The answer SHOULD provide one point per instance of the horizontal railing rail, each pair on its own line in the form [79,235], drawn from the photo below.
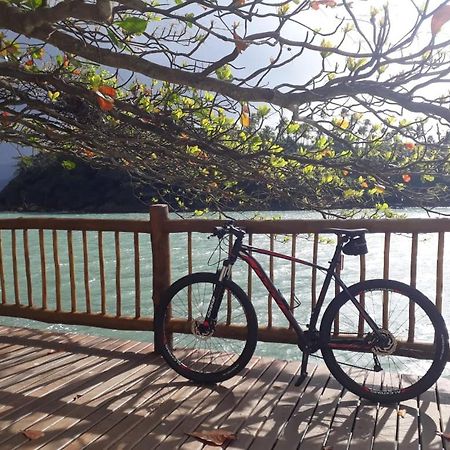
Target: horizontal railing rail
[111,273]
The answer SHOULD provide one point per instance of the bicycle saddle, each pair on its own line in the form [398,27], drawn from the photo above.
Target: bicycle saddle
[352,232]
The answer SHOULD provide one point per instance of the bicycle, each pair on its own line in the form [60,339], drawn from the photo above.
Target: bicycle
[207,328]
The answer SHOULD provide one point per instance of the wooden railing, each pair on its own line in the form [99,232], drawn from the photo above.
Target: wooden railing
[110,273]
[70,271]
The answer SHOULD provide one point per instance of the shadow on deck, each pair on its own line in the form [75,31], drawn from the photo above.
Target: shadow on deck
[81,391]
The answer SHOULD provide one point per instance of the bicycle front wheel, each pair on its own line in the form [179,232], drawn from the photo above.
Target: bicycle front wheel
[403,360]
[212,355]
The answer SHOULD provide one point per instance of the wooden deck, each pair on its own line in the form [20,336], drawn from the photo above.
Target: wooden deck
[83,391]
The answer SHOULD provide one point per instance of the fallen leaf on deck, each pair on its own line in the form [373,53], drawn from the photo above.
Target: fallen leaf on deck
[216,437]
[445,436]
[33,434]
[401,412]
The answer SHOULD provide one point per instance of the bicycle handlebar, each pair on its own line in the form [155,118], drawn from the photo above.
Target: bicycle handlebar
[228,228]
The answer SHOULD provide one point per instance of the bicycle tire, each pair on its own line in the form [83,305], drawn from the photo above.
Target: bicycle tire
[407,370]
[206,359]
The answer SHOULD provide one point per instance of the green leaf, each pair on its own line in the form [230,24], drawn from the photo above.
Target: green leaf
[34,4]
[293,127]
[224,73]
[68,165]
[133,25]
[189,19]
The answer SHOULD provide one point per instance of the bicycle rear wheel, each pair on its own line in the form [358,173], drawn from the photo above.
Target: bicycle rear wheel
[405,361]
[212,355]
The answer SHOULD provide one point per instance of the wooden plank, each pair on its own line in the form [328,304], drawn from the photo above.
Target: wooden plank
[387,420]
[412,225]
[2,273]
[443,397]
[35,379]
[57,270]
[248,406]
[275,423]
[43,269]
[101,262]
[408,426]
[15,269]
[137,277]
[94,405]
[26,252]
[87,291]
[40,374]
[366,419]
[76,224]
[255,421]
[116,422]
[154,420]
[318,429]
[118,270]
[215,406]
[429,420]
[78,318]
[340,433]
[290,435]
[60,395]
[440,271]
[73,287]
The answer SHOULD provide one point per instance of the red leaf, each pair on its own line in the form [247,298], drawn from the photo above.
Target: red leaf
[215,437]
[406,177]
[108,90]
[105,105]
[241,45]
[328,3]
[440,17]
[33,434]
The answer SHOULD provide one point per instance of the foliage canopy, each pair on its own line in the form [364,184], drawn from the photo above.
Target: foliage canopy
[315,103]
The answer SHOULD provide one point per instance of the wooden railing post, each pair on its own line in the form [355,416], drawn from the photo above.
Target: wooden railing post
[159,216]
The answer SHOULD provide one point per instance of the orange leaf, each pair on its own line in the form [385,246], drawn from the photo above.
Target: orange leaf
[401,413]
[215,437]
[33,434]
[440,17]
[105,105]
[406,177]
[315,5]
[245,116]
[238,2]
[108,90]
[409,146]
[241,45]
